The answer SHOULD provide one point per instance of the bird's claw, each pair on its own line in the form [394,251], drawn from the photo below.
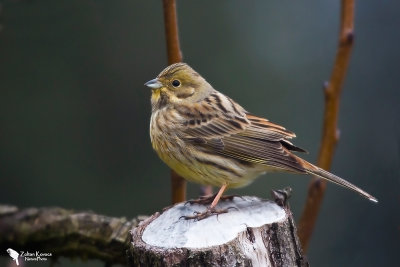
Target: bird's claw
[203,200]
[198,216]
[207,200]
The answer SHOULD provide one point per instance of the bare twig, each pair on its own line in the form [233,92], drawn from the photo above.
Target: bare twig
[330,133]
[178,188]
[66,233]
[171,32]
[178,184]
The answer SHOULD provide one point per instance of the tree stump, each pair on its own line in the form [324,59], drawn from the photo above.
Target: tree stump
[254,232]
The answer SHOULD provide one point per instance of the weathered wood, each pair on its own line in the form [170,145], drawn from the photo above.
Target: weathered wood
[254,232]
[66,233]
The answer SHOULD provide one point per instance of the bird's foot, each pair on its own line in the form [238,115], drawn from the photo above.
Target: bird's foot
[198,216]
[207,200]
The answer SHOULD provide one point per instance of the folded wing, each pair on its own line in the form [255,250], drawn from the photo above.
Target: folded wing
[237,134]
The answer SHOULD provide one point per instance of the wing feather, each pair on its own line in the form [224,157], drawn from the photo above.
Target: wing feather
[231,131]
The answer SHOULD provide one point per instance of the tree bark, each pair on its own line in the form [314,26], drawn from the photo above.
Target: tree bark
[66,233]
[254,232]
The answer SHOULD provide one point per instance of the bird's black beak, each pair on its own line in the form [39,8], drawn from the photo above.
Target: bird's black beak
[154,84]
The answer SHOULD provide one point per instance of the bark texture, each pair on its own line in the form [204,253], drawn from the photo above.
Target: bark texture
[68,233]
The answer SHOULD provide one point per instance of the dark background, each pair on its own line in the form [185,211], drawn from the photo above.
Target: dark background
[74,113]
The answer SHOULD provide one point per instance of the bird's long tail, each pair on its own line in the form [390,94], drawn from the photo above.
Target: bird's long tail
[312,169]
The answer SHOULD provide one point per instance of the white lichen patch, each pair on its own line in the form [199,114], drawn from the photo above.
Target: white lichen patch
[169,230]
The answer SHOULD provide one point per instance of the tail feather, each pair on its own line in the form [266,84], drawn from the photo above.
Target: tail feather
[311,169]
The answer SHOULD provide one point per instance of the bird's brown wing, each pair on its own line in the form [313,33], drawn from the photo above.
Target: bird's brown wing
[265,143]
[264,129]
[244,137]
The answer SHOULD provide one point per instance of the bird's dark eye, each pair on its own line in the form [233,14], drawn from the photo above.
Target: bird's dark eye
[176,83]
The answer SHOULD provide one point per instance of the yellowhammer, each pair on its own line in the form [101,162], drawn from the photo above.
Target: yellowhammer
[208,138]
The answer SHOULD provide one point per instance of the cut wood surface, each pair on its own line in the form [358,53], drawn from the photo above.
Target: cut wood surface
[254,232]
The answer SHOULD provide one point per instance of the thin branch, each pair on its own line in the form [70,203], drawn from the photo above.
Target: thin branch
[66,233]
[178,188]
[330,134]
[178,184]
[171,32]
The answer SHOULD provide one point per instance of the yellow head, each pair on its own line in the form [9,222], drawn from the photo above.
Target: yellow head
[177,84]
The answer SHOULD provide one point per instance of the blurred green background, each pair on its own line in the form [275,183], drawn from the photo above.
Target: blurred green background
[75,113]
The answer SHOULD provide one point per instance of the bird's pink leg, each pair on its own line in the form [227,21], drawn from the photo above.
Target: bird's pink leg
[218,196]
[211,210]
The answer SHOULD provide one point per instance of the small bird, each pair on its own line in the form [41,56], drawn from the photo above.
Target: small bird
[13,254]
[207,138]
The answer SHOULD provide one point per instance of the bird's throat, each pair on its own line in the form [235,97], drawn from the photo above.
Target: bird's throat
[159,99]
